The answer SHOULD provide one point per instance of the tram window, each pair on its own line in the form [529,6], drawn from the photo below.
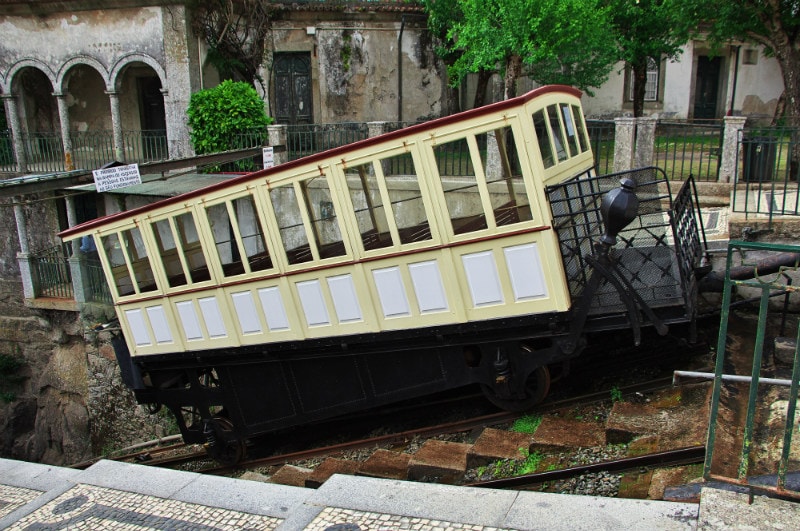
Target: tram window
[290,224]
[324,223]
[368,205]
[225,239]
[543,137]
[169,253]
[460,185]
[582,136]
[504,181]
[119,268]
[405,196]
[558,133]
[137,254]
[252,233]
[572,131]
[192,248]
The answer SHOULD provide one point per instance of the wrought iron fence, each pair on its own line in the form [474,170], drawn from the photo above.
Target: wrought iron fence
[768,176]
[688,148]
[98,288]
[307,139]
[145,146]
[51,273]
[601,137]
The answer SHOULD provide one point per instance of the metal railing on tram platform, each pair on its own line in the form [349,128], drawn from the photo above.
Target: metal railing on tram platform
[753,424]
[51,273]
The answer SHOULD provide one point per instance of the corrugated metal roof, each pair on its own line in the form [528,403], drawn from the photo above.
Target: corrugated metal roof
[167,186]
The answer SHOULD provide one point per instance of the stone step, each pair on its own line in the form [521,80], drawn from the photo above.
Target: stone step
[439,461]
[329,467]
[386,464]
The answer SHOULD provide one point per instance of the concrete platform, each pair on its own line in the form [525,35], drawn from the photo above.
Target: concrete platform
[117,496]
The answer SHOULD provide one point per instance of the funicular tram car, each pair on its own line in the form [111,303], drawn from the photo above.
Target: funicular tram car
[475,248]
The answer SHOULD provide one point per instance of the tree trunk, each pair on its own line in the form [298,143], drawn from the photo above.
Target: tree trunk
[639,73]
[513,71]
[789,60]
[480,88]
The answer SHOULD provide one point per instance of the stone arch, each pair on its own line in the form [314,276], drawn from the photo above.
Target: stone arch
[22,64]
[126,60]
[81,60]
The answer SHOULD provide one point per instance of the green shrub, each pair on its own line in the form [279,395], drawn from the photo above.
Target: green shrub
[226,117]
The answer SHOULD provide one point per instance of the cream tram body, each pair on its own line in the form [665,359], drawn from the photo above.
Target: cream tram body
[442,223]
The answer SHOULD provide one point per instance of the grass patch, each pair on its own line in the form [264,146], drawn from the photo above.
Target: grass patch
[526,424]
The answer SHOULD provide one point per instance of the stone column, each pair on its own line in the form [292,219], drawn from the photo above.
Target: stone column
[116,126]
[76,260]
[63,116]
[277,139]
[645,141]
[12,115]
[732,134]
[377,128]
[23,256]
[624,143]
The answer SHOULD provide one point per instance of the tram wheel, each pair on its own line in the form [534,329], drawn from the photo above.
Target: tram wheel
[537,385]
[228,448]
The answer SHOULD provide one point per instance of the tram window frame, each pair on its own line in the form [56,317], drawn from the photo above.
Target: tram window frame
[515,206]
[312,222]
[135,270]
[368,200]
[415,207]
[241,259]
[543,138]
[558,134]
[187,249]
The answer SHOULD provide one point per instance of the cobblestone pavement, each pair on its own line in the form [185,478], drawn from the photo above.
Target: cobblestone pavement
[91,508]
[336,519]
[13,497]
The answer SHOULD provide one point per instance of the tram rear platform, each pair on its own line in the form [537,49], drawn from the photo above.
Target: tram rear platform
[118,496]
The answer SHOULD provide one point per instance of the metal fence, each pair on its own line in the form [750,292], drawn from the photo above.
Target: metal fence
[307,139]
[768,176]
[51,273]
[44,151]
[601,137]
[755,382]
[688,148]
[98,287]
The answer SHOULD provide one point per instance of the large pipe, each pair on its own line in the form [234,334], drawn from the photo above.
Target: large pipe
[715,281]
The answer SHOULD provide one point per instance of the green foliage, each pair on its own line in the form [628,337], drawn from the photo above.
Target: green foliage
[527,424]
[512,467]
[616,394]
[558,41]
[223,116]
[9,366]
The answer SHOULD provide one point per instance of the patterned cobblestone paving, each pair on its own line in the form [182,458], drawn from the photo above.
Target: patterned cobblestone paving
[87,507]
[13,497]
[336,519]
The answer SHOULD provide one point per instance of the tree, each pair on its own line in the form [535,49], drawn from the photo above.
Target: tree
[441,16]
[775,24]
[220,117]
[646,30]
[236,32]
[552,41]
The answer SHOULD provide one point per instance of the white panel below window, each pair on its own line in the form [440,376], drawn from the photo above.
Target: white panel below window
[272,302]
[246,312]
[138,327]
[526,273]
[212,316]
[189,320]
[345,299]
[158,321]
[313,303]
[482,278]
[428,287]
[391,292]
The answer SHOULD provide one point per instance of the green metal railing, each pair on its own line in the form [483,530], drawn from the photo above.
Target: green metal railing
[684,148]
[307,139]
[98,288]
[764,440]
[51,273]
[601,137]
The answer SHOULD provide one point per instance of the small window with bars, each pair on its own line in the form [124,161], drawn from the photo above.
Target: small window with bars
[651,87]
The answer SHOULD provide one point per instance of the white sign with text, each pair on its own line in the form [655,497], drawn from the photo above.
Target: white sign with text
[269,157]
[106,179]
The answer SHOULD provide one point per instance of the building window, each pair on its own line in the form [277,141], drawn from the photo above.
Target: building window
[651,87]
